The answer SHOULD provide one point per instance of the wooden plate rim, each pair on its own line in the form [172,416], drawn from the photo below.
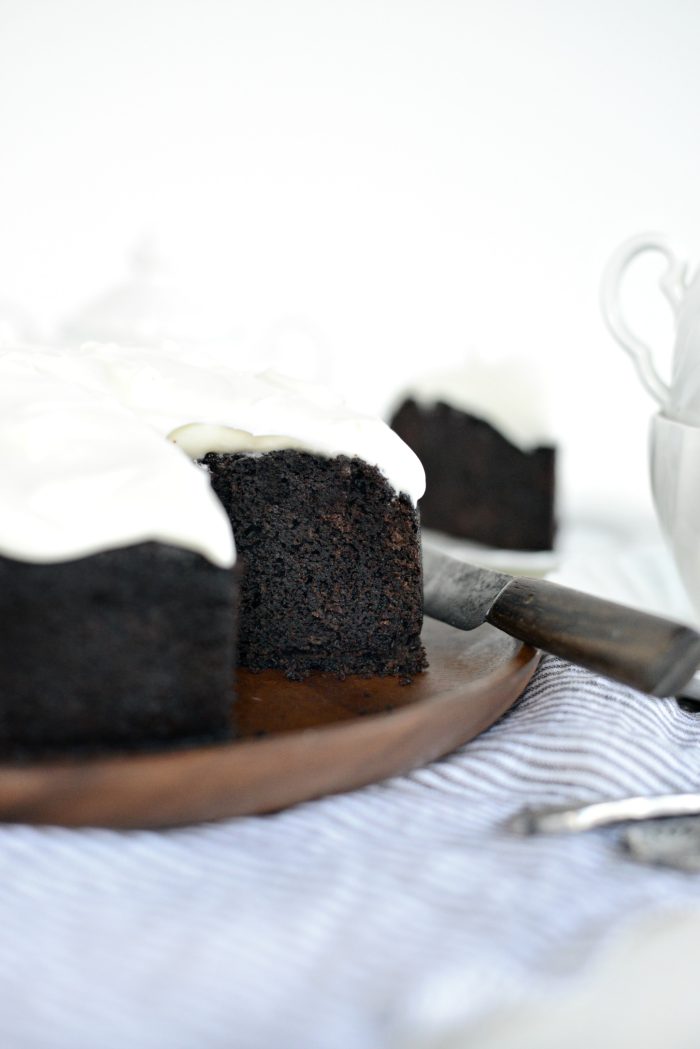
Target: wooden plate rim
[184,783]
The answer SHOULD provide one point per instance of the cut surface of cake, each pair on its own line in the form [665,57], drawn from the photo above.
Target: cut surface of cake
[489,459]
[331,561]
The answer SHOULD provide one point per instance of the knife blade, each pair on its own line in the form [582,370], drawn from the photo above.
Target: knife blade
[647,652]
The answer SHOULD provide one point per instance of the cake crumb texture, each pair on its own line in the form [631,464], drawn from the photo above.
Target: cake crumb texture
[331,564]
[479,485]
[127,647]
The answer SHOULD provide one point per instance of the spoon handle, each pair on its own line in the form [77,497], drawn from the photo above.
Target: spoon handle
[575,818]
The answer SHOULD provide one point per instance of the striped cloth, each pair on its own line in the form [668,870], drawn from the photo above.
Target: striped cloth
[383,917]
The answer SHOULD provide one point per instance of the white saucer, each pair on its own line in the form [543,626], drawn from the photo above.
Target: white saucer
[516,562]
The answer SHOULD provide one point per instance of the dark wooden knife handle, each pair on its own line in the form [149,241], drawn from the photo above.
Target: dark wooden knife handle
[651,654]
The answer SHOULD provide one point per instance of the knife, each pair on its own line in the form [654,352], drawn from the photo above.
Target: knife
[649,653]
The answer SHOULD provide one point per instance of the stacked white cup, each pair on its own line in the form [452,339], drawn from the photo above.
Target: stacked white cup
[674,450]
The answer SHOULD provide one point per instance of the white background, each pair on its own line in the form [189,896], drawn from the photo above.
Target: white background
[412,181]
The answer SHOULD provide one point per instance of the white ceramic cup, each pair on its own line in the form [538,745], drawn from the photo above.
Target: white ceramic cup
[675,480]
[680,399]
[674,450]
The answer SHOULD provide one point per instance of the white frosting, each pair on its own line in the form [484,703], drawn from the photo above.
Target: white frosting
[82,474]
[83,432]
[509,394]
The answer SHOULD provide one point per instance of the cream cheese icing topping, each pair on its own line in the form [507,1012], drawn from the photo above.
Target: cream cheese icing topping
[97,436]
[81,474]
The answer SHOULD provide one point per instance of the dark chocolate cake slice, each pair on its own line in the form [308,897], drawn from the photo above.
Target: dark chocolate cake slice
[479,485]
[331,564]
[126,647]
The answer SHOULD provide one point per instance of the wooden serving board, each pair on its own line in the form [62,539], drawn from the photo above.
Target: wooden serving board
[296,741]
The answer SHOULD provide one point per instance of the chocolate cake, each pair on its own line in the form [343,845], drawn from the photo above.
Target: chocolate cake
[118,582]
[125,647]
[117,586]
[479,485]
[331,559]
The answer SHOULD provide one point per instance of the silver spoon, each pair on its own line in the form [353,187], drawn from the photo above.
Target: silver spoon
[571,819]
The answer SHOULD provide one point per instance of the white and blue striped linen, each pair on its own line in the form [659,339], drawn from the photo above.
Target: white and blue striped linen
[373,919]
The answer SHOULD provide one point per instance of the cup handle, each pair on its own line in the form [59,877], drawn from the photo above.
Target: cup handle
[673,285]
